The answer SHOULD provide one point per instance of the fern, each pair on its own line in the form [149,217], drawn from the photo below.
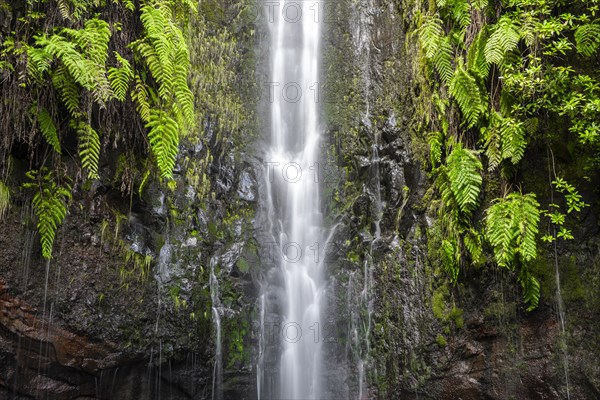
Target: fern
[436,144]
[48,128]
[512,227]
[504,38]
[430,33]
[64,9]
[513,139]
[587,38]
[474,244]
[79,68]
[451,258]
[68,90]
[461,12]
[83,52]
[164,141]
[476,61]
[465,179]
[504,140]
[128,4]
[4,200]
[120,77]
[38,62]
[531,289]
[442,59]
[89,148]
[49,205]
[465,91]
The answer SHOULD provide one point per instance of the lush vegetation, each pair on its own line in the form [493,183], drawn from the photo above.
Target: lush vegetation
[505,78]
[71,70]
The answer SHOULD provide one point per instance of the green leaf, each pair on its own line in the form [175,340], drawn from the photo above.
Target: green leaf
[164,140]
[49,206]
[466,92]
[503,39]
[512,227]
[587,38]
[465,178]
[120,78]
[48,128]
[89,148]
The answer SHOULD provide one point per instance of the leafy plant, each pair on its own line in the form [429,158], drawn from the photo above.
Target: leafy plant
[4,200]
[89,148]
[511,229]
[503,77]
[48,129]
[465,178]
[49,205]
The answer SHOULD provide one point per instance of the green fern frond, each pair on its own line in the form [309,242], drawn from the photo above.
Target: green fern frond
[531,289]
[465,178]
[436,146]
[128,4]
[430,34]
[466,92]
[442,59]
[461,12]
[141,96]
[512,227]
[120,77]
[4,200]
[473,241]
[89,148]
[513,139]
[79,68]
[587,38]
[476,61]
[451,258]
[505,139]
[48,128]
[38,62]
[164,141]
[68,90]
[49,205]
[64,9]
[493,141]
[503,39]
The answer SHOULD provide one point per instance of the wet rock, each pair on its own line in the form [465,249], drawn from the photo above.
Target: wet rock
[247,186]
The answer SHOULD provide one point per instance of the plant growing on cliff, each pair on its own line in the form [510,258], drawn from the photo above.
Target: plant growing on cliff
[78,79]
[4,199]
[504,78]
[49,205]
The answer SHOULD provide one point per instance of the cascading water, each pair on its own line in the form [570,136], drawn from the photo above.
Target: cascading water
[216,313]
[296,294]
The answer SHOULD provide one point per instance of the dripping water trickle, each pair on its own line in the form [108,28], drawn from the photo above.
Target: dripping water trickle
[216,306]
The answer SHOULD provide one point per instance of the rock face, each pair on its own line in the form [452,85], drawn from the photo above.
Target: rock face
[98,322]
[428,339]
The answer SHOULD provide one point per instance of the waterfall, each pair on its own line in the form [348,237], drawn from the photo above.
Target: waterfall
[216,310]
[294,291]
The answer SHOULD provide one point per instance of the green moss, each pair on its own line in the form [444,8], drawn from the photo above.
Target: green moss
[438,303]
[456,315]
[243,265]
[441,340]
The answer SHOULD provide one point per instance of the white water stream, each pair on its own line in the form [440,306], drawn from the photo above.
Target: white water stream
[294,200]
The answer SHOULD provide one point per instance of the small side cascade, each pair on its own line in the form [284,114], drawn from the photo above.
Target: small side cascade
[561,314]
[216,313]
[362,317]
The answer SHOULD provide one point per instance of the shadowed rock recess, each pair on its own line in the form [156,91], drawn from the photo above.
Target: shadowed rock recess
[156,294]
